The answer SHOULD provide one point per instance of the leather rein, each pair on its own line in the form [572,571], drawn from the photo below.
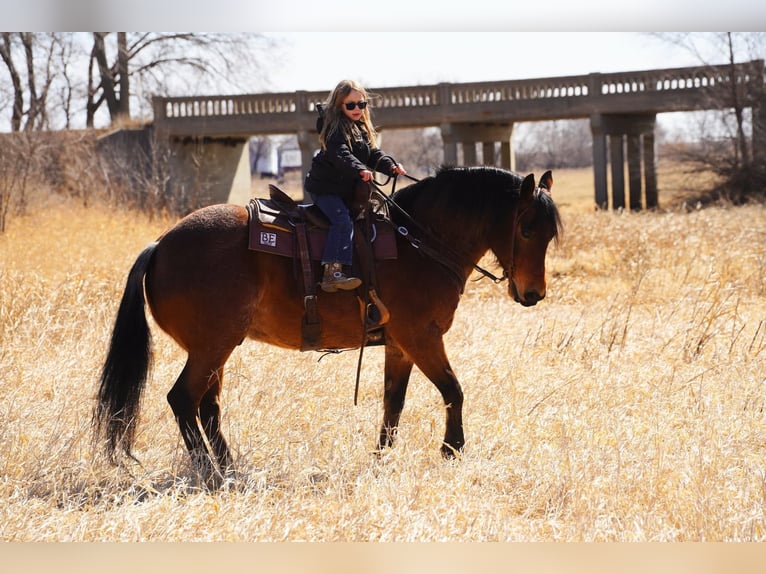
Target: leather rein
[436,253]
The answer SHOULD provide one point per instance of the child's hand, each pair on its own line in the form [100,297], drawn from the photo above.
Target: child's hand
[399,170]
[366,175]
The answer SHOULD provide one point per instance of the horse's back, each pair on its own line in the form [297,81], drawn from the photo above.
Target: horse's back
[199,275]
[213,219]
[201,249]
[205,285]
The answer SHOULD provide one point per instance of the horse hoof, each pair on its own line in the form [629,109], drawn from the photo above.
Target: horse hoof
[449,452]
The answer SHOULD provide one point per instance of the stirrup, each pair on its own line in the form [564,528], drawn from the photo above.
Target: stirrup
[377,313]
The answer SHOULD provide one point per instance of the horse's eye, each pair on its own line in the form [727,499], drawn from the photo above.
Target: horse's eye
[526,232]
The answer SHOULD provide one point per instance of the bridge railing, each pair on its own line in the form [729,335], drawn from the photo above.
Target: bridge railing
[168,110]
[678,79]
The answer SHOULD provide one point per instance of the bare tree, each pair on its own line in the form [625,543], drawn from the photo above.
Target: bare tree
[29,60]
[420,150]
[51,80]
[6,52]
[20,157]
[66,90]
[725,148]
[158,63]
[553,144]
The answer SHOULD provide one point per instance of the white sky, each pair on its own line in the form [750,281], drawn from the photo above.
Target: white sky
[408,42]
[318,60]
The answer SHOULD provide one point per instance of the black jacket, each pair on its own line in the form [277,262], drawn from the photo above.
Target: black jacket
[335,170]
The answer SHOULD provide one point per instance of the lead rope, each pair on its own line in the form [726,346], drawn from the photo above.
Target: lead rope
[366,300]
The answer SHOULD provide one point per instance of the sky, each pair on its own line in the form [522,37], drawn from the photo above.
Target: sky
[318,60]
[411,42]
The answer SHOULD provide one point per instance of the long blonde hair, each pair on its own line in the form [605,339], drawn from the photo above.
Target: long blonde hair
[336,120]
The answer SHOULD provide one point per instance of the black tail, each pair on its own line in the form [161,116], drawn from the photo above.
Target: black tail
[125,371]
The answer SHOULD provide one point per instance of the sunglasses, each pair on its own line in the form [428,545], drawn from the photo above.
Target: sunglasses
[351,105]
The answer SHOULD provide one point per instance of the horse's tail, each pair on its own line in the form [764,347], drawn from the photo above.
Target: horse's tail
[127,364]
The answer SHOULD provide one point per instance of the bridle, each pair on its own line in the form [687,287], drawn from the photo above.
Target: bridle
[435,252]
[435,248]
[519,213]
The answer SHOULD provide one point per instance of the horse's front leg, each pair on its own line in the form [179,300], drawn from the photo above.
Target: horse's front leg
[449,387]
[432,360]
[210,417]
[397,376]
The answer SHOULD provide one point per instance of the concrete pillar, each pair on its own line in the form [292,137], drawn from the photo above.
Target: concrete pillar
[308,142]
[621,128]
[488,153]
[650,172]
[469,153]
[634,172]
[599,161]
[450,145]
[469,135]
[758,152]
[507,160]
[759,132]
[617,159]
[205,171]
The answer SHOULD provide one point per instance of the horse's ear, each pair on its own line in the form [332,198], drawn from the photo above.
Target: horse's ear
[547,181]
[528,187]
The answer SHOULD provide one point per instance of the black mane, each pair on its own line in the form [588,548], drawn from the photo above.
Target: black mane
[464,188]
[474,194]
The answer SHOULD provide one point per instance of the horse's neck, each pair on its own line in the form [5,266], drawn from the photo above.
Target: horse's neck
[460,236]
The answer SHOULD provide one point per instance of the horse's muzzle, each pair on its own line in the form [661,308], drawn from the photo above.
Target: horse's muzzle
[530,298]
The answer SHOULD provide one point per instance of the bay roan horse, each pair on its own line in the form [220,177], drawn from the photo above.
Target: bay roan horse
[209,292]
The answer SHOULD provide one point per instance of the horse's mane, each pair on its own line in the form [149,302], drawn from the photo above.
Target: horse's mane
[469,188]
[476,194]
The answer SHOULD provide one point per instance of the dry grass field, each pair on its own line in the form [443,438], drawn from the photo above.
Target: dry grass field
[627,406]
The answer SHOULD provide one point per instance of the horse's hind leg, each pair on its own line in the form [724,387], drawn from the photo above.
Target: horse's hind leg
[397,376]
[185,398]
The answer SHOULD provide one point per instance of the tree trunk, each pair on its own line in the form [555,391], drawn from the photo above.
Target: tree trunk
[742,151]
[105,73]
[18,92]
[34,103]
[122,74]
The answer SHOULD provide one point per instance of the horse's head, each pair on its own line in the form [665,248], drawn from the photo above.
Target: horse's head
[533,222]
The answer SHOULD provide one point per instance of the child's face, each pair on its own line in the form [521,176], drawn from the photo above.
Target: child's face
[353,97]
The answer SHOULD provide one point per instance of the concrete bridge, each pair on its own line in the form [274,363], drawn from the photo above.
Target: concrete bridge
[622,109]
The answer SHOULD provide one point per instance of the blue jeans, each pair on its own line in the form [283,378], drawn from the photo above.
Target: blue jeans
[338,247]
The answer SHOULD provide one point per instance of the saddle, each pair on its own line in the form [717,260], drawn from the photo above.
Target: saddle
[281,226]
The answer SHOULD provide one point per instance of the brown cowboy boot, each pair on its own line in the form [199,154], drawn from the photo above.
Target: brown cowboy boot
[335,279]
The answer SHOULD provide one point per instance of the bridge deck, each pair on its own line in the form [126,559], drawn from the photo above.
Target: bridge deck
[568,97]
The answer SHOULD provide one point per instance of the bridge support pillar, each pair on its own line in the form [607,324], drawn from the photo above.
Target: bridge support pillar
[308,142]
[636,134]
[469,135]
[759,132]
[599,162]
[205,171]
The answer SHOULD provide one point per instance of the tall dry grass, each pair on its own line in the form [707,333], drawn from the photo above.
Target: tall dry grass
[628,405]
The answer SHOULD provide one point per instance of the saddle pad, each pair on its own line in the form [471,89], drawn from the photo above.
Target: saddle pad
[272,231]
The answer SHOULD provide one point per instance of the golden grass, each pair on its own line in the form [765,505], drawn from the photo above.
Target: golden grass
[626,406]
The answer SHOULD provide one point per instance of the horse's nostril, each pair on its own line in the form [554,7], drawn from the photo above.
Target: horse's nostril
[533,296]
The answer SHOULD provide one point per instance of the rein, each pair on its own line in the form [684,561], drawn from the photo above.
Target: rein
[435,253]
